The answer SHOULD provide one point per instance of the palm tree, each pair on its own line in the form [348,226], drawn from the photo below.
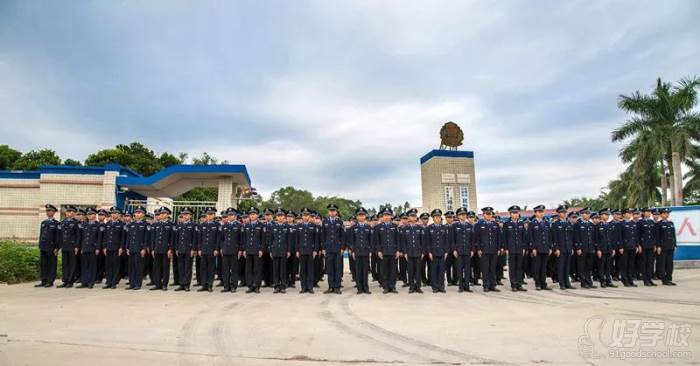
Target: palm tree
[664,131]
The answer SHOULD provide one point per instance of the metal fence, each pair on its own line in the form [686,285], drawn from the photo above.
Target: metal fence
[176,207]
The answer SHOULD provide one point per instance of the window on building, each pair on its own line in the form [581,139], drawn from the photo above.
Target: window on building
[449,198]
[464,196]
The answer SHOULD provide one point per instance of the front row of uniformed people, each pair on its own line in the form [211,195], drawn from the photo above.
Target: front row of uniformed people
[412,250]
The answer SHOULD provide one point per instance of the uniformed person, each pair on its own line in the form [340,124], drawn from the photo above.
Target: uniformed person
[563,245]
[135,235]
[605,248]
[486,239]
[253,233]
[540,239]
[100,257]
[648,237]
[386,242]
[412,248]
[629,241]
[515,244]
[70,243]
[267,220]
[307,250]
[186,235]
[162,243]
[402,274]
[584,244]
[667,247]
[207,250]
[331,248]
[280,249]
[112,247]
[48,247]
[89,247]
[230,249]
[425,260]
[292,261]
[438,246]
[361,249]
[450,267]
[461,243]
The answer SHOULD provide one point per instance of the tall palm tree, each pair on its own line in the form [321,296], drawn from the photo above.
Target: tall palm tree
[663,129]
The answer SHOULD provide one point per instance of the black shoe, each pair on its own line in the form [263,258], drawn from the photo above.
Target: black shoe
[69,285]
[547,288]
[302,291]
[137,288]
[460,290]
[337,291]
[486,289]
[249,291]
[48,285]
[181,288]
[385,291]
[435,291]
[276,291]
[64,285]
[522,289]
[561,287]
[419,291]
[154,288]
[632,284]
[129,288]
[233,289]
[226,289]
[610,284]
[405,285]
[187,288]
[393,291]
[513,289]
[672,283]
[257,290]
[310,291]
[495,290]
[203,289]
[81,286]
[106,286]
[150,283]
[283,291]
[411,290]
[499,283]
[40,284]
[359,292]
[329,291]
[90,286]
[652,284]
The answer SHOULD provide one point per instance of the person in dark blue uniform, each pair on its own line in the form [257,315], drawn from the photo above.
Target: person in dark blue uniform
[230,249]
[253,233]
[386,242]
[425,261]
[438,247]
[292,261]
[112,246]
[563,245]
[89,247]
[540,239]
[331,248]
[461,242]
[207,250]
[135,244]
[450,267]
[100,257]
[186,235]
[486,240]
[667,247]
[307,250]
[361,249]
[584,244]
[280,249]
[48,247]
[514,243]
[70,242]
[649,240]
[162,243]
[629,247]
[605,248]
[412,248]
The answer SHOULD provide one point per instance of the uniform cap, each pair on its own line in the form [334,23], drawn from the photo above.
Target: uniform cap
[462,210]
[436,212]
[50,207]
[254,210]
[514,208]
[332,207]
[541,208]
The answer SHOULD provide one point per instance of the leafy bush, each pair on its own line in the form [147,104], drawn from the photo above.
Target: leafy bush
[18,262]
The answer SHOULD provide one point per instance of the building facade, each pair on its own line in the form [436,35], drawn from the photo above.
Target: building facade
[448,180]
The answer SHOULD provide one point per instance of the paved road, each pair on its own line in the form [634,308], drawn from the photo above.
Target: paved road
[117,327]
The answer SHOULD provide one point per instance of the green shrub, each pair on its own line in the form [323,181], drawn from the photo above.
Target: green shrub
[18,262]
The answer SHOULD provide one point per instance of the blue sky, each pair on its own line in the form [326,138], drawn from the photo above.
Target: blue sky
[343,98]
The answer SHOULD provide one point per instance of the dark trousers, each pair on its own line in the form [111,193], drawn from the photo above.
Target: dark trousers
[374,269]
[353,268]
[112,268]
[279,272]
[362,273]
[627,271]
[647,264]
[253,271]
[564,268]
[403,269]
[605,269]
[176,270]
[306,272]
[665,263]
[100,267]
[47,266]
[267,269]
[500,265]
[241,270]
[388,271]
[425,270]
[123,265]
[76,269]
[161,270]
[334,269]
[539,269]
[68,263]
[515,269]
[208,263]
[198,270]
[585,266]
[488,265]
[148,265]
[184,264]
[476,269]
[88,268]
[414,272]
[450,269]
[135,269]
[437,272]
[463,270]
[318,268]
[229,271]
[292,270]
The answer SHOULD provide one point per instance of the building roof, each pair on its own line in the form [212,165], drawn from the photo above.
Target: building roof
[447,154]
[67,169]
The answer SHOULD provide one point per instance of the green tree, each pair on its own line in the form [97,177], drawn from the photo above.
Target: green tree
[199,193]
[663,130]
[32,160]
[8,157]
[136,156]
[71,162]
[593,203]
